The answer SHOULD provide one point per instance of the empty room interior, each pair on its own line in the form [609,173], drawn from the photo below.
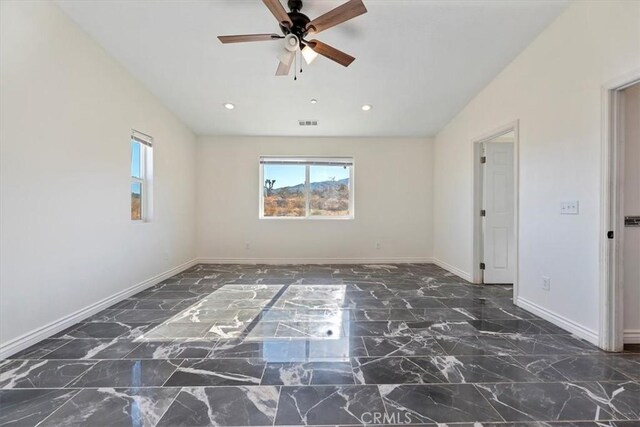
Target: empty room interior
[320,213]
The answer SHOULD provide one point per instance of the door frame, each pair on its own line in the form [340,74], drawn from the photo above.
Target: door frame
[514,127]
[611,321]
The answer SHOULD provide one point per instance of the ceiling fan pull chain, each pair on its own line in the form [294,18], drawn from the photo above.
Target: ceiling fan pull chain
[301,61]
[295,67]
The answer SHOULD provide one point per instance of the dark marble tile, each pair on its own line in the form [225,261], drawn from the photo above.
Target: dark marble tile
[501,326]
[417,303]
[28,407]
[40,349]
[114,407]
[396,370]
[107,330]
[173,331]
[41,373]
[310,330]
[93,349]
[382,315]
[213,372]
[402,346]
[622,399]
[542,367]
[443,314]
[584,368]
[327,405]
[408,323]
[627,364]
[154,304]
[446,328]
[438,403]
[177,349]
[560,401]
[237,348]
[127,373]
[482,369]
[552,344]
[222,406]
[309,373]
[143,316]
[466,302]
[506,313]
[549,327]
[165,295]
[386,329]
[476,345]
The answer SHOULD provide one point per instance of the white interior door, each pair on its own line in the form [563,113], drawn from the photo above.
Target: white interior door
[498,204]
[631,210]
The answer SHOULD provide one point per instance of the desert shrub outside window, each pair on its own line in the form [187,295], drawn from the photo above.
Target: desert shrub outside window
[306,187]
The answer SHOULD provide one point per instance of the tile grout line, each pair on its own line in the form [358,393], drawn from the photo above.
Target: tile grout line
[61,406]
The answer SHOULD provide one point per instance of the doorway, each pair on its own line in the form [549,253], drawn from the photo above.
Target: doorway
[496,207]
[620,226]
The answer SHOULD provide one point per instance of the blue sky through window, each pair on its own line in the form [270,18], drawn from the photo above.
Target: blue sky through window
[135,159]
[291,175]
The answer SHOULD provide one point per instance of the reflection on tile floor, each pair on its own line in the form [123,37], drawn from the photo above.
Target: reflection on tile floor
[318,345]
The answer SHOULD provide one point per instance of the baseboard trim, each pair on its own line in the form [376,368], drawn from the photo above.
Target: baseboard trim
[280,261]
[558,320]
[24,341]
[455,270]
[632,336]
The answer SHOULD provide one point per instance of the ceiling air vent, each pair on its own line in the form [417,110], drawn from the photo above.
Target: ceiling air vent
[308,122]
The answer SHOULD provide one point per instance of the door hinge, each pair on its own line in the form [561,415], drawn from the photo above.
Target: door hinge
[482,266]
[610,234]
[483,213]
[483,159]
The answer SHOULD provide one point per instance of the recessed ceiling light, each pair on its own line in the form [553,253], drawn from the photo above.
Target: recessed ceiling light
[314,101]
[229,106]
[367,107]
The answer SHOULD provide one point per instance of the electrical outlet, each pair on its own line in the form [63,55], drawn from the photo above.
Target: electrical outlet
[569,207]
[546,283]
[377,245]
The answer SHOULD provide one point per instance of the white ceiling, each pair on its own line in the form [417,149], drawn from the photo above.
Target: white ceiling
[417,62]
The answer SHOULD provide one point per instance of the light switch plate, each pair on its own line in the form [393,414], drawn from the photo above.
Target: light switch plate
[569,207]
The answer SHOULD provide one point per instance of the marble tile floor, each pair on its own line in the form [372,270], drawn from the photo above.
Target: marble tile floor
[321,345]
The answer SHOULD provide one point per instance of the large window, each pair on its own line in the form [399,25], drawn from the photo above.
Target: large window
[141,167]
[306,187]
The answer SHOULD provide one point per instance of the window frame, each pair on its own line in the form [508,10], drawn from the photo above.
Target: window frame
[146,151]
[309,160]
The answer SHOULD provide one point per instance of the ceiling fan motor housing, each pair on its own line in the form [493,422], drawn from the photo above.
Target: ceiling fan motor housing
[299,20]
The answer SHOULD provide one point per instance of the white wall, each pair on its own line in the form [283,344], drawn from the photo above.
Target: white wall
[632,208]
[66,113]
[554,88]
[393,191]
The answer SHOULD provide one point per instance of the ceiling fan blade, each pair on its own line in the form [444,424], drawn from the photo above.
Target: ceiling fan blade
[249,38]
[331,52]
[278,11]
[285,66]
[340,14]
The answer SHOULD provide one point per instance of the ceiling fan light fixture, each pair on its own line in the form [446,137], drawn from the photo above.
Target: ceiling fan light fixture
[309,54]
[291,42]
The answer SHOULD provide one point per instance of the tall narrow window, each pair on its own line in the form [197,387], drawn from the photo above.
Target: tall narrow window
[141,162]
[306,187]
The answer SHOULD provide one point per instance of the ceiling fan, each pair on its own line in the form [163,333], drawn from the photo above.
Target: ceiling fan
[295,26]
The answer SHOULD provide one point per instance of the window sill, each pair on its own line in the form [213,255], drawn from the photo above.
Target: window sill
[307,218]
